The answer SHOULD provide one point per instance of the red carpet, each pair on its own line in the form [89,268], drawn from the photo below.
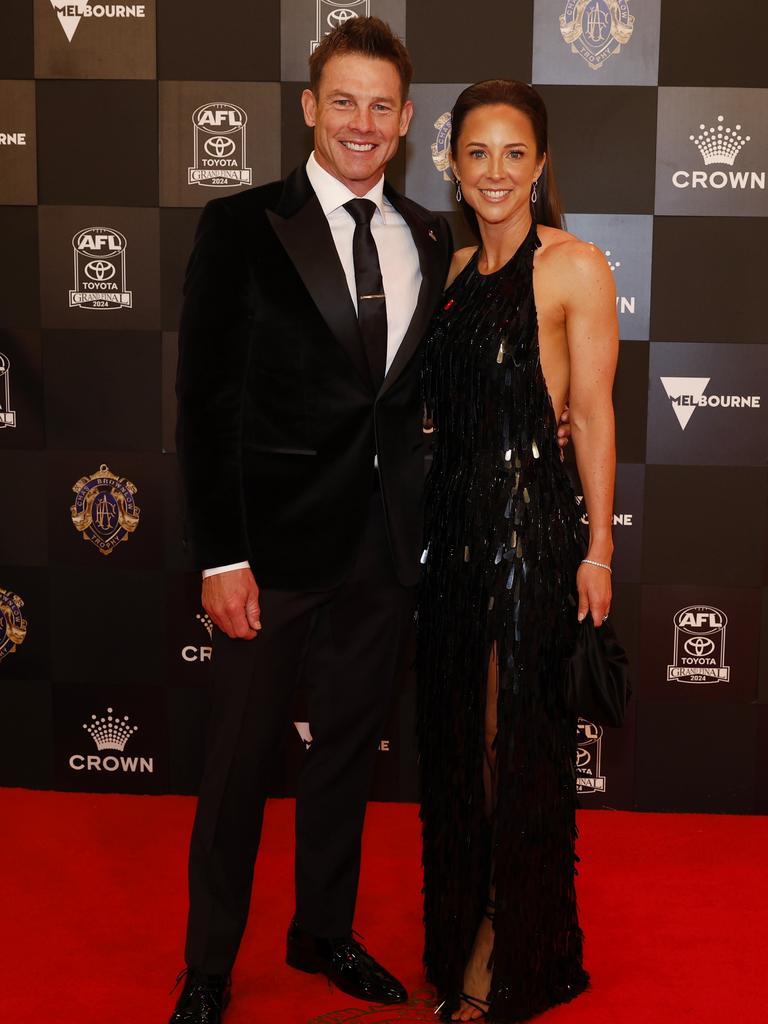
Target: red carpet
[675,910]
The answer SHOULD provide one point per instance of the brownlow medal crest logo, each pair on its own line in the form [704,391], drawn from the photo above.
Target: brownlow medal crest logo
[441,147]
[13,625]
[104,511]
[596,29]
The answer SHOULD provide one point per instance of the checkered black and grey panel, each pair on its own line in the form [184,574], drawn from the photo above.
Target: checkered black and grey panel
[119,121]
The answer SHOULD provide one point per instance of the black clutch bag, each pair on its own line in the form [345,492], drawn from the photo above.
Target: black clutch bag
[597,679]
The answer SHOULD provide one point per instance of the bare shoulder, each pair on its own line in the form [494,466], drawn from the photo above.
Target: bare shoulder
[459,260]
[572,262]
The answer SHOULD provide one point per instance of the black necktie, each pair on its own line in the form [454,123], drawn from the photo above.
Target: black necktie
[371,304]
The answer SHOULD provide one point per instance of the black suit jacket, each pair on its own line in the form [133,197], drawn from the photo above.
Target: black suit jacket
[278,418]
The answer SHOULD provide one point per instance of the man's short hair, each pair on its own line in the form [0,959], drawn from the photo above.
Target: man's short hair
[370,37]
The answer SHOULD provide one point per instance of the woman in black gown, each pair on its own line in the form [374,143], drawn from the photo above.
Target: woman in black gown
[527,325]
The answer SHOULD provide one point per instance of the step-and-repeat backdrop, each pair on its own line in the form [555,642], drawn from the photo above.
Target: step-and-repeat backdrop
[119,121]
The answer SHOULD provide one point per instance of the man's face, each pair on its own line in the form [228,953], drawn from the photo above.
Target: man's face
[358,118]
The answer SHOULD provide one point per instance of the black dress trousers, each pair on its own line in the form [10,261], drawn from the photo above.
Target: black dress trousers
[344,643]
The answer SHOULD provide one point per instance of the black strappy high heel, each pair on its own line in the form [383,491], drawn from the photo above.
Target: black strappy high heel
[483,1005]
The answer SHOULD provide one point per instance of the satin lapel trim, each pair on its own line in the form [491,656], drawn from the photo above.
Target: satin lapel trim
[307,239]
[429,263]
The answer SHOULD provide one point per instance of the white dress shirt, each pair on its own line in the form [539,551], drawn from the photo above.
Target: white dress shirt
[398,258]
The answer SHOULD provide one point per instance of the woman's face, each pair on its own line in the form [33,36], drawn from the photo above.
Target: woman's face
[495,160]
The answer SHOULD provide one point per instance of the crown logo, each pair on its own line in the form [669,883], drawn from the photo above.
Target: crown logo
[613,263]
[110,732]
[719,145]
[206,622]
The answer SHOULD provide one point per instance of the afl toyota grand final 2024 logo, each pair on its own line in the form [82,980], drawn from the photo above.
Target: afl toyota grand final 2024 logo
[104,511]
[7,415]
[699,651]
[589,756]
[219,160]
[331,14]
[596,29]
[99,270]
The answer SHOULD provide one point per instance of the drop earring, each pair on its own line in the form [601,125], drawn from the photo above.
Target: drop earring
[458,191]
[534,193]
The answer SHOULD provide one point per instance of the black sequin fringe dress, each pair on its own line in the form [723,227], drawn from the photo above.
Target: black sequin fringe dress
[503,547]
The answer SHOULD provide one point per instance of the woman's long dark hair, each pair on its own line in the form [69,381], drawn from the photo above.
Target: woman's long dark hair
[524,98]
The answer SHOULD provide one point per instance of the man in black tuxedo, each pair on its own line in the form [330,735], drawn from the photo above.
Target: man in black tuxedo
[301,446]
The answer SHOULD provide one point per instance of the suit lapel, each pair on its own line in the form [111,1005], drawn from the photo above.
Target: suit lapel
[433,265]
[302,228]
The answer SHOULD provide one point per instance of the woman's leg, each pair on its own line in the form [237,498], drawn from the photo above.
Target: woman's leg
[477,976]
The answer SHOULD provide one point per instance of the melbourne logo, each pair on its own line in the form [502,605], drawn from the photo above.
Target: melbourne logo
[687,394]
[441,147]
[699,651]
[13,625]
[110,732]
[69,14]
[589,755]
[305,735]
[104,511]
[219,147]
[719,145]
[100,270]
[13,138]
[619,518]
[330,15]
[7,415]
[200,652]
[596,29]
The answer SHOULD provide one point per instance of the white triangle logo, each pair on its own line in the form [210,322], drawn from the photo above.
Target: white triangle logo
[302,728]
[69,13]
[684,394]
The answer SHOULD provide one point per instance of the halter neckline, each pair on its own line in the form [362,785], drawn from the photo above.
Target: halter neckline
[525,245]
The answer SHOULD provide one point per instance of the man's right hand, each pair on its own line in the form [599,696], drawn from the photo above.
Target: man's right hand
[232,600]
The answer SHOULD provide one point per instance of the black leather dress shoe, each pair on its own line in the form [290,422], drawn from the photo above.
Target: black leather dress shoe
[203,999]
[344,962]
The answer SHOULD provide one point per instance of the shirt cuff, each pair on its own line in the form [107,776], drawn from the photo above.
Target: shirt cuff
[225,568]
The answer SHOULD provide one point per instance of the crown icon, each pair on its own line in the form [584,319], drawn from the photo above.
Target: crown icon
[719,145]
[110,732]
[206,622]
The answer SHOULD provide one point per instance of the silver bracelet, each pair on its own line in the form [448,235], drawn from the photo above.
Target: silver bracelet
[600,565]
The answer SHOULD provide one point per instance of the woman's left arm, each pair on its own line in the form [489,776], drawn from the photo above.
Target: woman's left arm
[591,323]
